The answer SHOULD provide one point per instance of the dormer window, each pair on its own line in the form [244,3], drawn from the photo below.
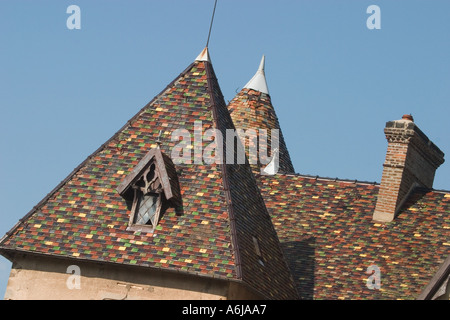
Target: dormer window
[147,198]
[151,186]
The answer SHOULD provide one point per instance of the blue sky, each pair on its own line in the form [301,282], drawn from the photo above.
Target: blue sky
[334,83]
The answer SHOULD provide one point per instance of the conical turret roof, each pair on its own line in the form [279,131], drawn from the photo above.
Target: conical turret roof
[252,109]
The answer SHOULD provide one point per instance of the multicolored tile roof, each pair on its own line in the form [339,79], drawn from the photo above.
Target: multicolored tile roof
[330,239]
[210,234]
[316,236]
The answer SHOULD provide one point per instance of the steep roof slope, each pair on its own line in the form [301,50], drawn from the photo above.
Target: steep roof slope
[330,239]
[209,234]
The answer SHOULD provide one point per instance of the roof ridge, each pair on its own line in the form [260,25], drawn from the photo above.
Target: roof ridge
[209,77]
[440,191]
[354,181]
[317,177]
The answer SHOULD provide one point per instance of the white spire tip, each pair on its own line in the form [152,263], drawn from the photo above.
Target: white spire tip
[204,55]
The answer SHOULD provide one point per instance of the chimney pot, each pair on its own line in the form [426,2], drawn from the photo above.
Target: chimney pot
[408,117]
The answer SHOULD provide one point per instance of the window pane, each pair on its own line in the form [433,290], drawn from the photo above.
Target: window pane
[148,205]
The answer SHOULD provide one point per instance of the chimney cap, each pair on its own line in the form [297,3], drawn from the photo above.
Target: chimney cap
[408,117]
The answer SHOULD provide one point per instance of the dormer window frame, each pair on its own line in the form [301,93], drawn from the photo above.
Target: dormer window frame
[154,175]
[139,195]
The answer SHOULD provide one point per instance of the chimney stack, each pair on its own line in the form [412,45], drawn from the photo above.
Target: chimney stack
[411,161]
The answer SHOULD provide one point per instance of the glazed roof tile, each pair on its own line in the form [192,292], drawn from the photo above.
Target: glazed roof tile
[329,238]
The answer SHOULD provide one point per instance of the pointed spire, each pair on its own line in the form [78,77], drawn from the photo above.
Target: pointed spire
[258,82]
[273,167]
[253,109]
[204,55]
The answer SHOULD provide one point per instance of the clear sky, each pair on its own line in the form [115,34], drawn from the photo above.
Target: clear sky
[334,82]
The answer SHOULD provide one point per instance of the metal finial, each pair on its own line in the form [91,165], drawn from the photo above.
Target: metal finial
[258,82]
[210,26]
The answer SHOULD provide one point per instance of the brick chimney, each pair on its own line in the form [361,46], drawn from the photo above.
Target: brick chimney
[411,161]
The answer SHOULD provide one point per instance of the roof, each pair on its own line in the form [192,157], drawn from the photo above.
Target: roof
[437,285]
[330,240]
[252,109]
[209,234]
[318,230]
